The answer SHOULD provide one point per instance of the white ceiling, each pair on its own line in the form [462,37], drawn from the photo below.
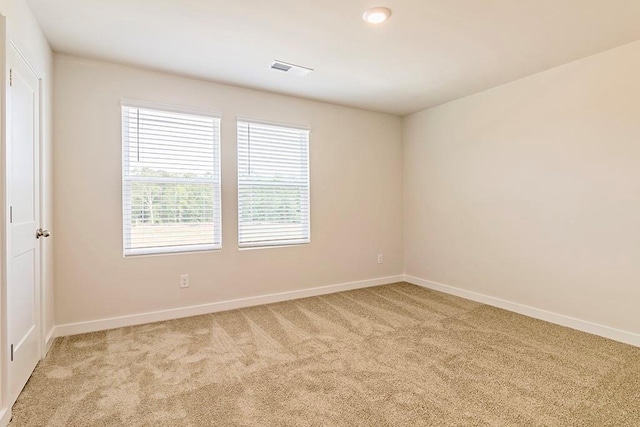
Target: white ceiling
[428,53]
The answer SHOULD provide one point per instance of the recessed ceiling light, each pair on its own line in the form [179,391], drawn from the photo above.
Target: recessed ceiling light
[377,15]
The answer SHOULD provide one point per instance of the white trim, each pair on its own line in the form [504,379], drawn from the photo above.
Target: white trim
[274,244]
[266,122]
[5,417]
[548,316]
[179,109]
[127,180]
[165,250]
[244,178]
[196,310]
[51,338]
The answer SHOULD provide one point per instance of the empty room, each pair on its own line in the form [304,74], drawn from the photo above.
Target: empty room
[336,213]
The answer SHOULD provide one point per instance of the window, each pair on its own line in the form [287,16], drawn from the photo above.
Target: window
[171,180]
[273,185]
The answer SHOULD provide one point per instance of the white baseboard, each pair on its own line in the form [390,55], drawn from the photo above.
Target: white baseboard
[559,319]
[196,310]
[5,417]
[49,340]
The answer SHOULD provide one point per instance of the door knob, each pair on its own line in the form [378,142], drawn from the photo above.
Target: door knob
[42,233]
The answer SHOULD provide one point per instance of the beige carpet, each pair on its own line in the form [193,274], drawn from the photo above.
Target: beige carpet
[394,355]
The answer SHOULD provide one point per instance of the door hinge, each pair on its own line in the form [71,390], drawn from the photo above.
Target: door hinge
[10,77]
[12,352]
[10,214]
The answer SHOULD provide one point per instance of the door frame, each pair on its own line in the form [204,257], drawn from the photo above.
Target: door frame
[7,44]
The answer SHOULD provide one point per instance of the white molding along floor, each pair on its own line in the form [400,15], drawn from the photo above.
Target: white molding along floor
[5,416]
[558,319]
[196,310]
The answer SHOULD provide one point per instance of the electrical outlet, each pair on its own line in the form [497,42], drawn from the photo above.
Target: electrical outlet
[380,258]
[184,280]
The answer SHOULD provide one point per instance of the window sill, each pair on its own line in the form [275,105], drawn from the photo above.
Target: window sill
[136,253]
[274,246]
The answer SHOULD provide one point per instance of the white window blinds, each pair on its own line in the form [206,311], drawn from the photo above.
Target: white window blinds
[273,185]
[171,181]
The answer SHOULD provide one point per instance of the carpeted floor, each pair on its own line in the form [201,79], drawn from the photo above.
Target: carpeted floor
[394,355]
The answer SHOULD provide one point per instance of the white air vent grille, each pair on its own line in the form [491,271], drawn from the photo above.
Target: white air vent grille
[280,66]
[290,68]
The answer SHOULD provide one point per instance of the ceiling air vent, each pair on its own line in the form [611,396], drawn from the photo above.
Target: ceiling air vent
[290,68]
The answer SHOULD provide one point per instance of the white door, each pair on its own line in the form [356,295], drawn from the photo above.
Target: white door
[23,254]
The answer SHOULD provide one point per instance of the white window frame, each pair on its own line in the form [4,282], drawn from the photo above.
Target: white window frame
[274,243]
[126,183]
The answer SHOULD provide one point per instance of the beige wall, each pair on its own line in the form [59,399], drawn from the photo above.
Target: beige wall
[356,197]
[530,192]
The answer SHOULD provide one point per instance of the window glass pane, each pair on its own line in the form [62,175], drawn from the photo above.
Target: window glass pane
[171,213]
